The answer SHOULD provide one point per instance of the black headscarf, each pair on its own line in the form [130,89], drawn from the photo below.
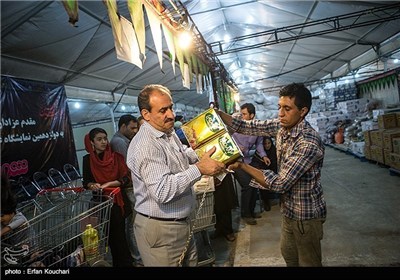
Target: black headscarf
[258,162]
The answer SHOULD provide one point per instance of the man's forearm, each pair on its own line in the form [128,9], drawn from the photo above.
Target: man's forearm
[226,118]
[253,172]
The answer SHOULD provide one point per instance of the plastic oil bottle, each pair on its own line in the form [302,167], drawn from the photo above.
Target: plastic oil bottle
[90,239]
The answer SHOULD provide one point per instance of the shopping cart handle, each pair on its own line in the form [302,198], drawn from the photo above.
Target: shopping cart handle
[114,191]
[77,189]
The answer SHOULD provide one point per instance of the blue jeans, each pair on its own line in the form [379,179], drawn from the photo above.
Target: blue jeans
[248,194]
[130,234]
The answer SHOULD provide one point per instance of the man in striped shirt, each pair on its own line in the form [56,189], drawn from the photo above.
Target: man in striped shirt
[246,143]
[163,173]
[300,154]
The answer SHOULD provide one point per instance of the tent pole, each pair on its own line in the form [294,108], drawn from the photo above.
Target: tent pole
[110,105]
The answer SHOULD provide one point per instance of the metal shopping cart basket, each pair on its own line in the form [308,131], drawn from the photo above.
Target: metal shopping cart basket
[206,217]
[48,199]
[53,237]
[203,218]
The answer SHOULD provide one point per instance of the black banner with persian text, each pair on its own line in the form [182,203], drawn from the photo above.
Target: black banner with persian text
[36,132]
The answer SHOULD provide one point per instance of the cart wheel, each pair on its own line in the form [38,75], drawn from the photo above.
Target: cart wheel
[101,263]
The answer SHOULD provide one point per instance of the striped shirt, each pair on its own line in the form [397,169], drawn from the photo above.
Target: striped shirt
[246,143]
[300,154]
[119,143]
[163,173]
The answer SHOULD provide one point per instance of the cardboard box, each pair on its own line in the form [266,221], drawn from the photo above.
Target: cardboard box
[376,137]
[396,145]
[394,161]
[387,121]
[386,156]
[378,112]
[377,154]
[357,148]
[398,119]
[367,138]
[367,152]
[387,138]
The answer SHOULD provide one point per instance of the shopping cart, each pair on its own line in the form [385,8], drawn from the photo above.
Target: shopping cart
[53,237]
[46,199]
[203,218]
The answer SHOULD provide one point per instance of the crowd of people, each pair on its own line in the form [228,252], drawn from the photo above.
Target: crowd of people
[155,169]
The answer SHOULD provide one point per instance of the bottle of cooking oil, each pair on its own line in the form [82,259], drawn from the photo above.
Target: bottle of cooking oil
[90,239]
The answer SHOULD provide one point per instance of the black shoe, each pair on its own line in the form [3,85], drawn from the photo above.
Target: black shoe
[267,205]
[250,221]
[256,215]
[230,237]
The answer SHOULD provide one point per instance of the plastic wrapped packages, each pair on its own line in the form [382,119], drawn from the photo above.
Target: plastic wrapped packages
[205,184]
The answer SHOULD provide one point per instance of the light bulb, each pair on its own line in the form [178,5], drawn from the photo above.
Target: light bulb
[185,40]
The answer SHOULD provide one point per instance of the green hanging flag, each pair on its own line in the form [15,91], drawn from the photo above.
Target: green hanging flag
[137,16]
[71,6]
[179,55]
[188,57]
[112,8]
[195,65]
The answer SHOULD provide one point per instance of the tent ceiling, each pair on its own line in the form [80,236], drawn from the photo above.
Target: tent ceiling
[38,43]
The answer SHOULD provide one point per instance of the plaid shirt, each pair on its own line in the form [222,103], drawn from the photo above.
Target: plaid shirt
[300,153]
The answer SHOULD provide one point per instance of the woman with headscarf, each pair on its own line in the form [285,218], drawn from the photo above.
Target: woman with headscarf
[106,170]
[259,163]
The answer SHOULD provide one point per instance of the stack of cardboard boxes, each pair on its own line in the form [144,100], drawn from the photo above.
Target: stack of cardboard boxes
[323,121]
[383,144]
